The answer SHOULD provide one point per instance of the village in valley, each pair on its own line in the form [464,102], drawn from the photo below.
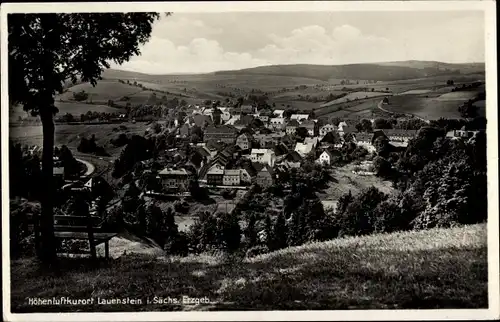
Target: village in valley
[254,183]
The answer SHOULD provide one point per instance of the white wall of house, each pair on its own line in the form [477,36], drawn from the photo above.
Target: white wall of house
[324,158]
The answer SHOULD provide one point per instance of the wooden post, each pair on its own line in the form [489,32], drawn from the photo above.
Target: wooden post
[106,249]
[90,230]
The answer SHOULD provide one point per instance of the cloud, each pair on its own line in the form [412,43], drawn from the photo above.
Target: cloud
[192,44]
[200,55]
[182,29]
[315,45]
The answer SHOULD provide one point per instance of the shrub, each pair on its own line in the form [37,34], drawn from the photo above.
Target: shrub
[181,207]
[256,250]
[80,96]
[21,214]
[120,140]
[177,244]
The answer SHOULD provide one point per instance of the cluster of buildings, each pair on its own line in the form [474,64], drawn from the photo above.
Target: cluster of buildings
[233,156]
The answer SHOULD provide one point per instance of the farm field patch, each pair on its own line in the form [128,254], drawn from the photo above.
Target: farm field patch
[355,96]
[70,135]
[428,108]
[103,91]
[457,96]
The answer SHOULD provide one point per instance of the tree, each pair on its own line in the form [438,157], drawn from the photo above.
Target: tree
[228,231]
[301,132]
[280,234]
[381,166]
[382,124]
[468,109]
[251,231]
[45,50]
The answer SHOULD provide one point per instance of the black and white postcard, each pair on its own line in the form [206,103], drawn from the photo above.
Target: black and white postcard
[319,160]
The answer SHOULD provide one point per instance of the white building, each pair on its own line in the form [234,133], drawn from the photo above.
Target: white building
[303,148]
[231,178]
[326,128]
[276,123]
[314,141]
[266,156]
[278,113]
[325,158]
[299,117]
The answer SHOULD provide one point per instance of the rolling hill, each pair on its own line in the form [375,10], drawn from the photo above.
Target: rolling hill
[379,71]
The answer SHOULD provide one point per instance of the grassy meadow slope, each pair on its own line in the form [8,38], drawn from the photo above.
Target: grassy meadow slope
[437,268]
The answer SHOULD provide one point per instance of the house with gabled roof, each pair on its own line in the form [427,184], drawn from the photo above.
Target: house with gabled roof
[265,176]
[299,117]
[276,123]
[231,177]
[293,156]
[244,141]
[225,116]
[266,156]
[278,113]
[304,148]
[177,179]
[325,158]
[280,149]
[223,133]
[291,127]
[312,140]
[326,128]
[288,141]
[244,121]
[247,173]
[310,126]
[400,134]
[202,120]
[215,176]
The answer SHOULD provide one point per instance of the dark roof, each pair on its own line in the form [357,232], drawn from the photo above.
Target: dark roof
[348,129]
[286,138]
[266,112]
[265,168]
[220,129]
[293,156]
[248,135]
[293,123]
[280,149]
[400,132]
[250,169]
[308,123]
[244,120]
[363,136]
[214,145]
[243,109]
[247,108]
[228,151]
[200,119]
[202,151]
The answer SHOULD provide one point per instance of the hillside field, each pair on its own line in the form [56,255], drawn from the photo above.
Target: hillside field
[103,91]
[355,96]
[432,269]
[426,107]
[70,135]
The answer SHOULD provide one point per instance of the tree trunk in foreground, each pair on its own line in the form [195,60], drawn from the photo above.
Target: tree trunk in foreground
[47,252]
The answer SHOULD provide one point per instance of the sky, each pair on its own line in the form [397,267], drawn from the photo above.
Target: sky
[207,42]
